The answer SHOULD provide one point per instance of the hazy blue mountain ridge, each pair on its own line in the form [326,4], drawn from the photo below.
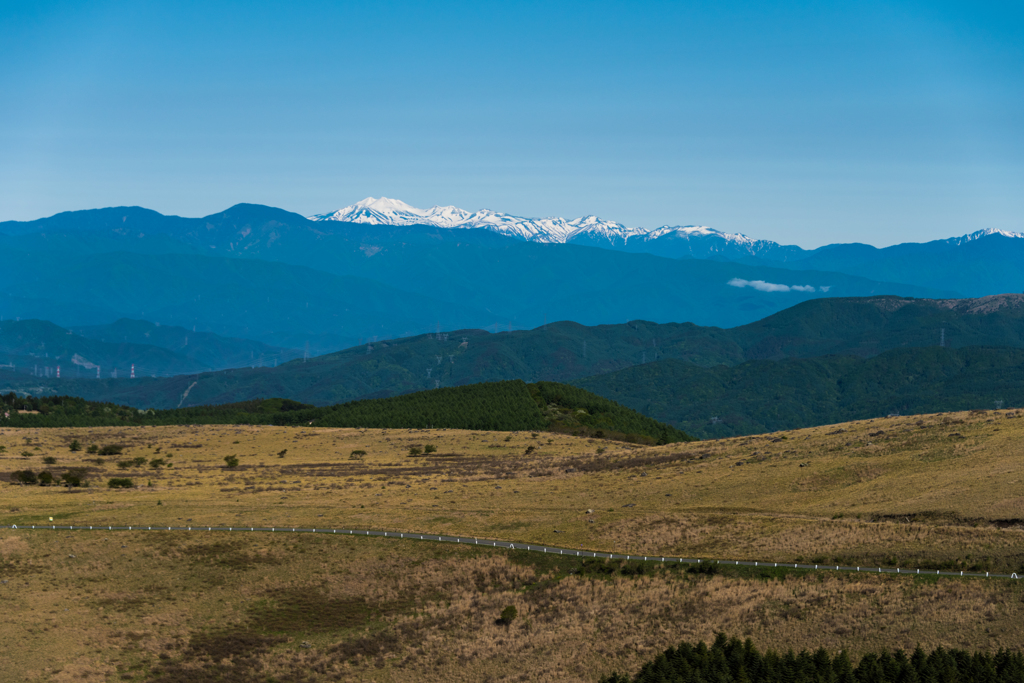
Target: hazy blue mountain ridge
[568,351]
[270,275]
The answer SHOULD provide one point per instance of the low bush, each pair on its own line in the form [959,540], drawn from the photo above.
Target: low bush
[24,477]
[120,483]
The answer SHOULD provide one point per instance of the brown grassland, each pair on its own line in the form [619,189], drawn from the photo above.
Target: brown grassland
[938,491]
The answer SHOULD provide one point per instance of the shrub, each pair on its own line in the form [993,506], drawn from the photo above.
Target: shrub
[75,446]
[706,568]
[414,450]
[430,448]
[45,478]
[157,463]
[92,449]
[530,449]
[231,461]
[111,450]
[120,483]
[24,477]
[27,454]
[138,462]
[358,452]
[50,460]
[507,615]
[124,464]
[73,478]
[282,453]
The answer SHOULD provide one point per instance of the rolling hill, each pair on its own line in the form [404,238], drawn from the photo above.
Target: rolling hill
[768,396]
[743,360]
[505,406]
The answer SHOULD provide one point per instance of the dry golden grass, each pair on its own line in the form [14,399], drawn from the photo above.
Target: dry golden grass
[174,606]
[879,491]
[931,491]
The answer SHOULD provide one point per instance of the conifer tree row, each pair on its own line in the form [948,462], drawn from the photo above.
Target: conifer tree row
[730,661]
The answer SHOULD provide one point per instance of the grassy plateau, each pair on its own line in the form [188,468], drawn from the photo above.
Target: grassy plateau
[934,491]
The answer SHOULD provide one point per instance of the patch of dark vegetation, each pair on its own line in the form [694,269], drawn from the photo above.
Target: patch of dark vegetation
[227,554]
[225,656]
[306,610]
[730,660]
[604,464]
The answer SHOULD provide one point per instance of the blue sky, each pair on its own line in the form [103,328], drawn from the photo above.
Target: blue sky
[806,123]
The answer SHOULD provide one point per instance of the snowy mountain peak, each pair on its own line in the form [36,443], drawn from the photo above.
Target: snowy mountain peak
[978,234]
[384,211]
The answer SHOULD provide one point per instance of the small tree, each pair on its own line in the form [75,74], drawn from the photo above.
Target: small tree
[73,478]
[50,460]
[430,448]
[111,450]
[24,477]
[508,615]
[157,463]
[231,460]
[92,449]
[120,483]
[45,478]
[415,450]
[75,446]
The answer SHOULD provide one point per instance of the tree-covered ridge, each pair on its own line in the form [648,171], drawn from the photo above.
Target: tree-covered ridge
[767,396]
[730,661]
[571,409]
[500,406]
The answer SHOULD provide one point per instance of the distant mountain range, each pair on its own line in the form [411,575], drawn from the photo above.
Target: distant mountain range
[266,274]
[38,348]
[261,273]
[678,241]
[614,360]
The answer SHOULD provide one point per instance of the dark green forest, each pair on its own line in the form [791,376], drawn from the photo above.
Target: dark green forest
[767,396]
[503,406]
[730,661]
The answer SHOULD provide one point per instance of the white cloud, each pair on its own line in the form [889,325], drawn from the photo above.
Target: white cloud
[762,286]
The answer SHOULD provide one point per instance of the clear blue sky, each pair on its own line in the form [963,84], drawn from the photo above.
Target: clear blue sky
[806,123]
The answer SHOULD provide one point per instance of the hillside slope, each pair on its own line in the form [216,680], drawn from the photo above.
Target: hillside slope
[507,406]
[767,396]
[568,351]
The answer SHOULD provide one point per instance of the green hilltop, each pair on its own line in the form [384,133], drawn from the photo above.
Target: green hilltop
[501,406]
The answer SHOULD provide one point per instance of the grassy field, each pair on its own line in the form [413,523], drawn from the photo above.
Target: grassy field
[929,491]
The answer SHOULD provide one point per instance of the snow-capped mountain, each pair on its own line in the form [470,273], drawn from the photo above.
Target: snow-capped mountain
[974,236]
[675,241]
[385,211]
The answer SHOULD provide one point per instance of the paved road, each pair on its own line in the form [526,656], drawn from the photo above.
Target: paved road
[505,544]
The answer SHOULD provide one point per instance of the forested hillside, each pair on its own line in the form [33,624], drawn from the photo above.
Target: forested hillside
[766,396]
[567,351]
[502,406]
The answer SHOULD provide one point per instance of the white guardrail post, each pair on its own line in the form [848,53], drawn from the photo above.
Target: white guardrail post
[512,546]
